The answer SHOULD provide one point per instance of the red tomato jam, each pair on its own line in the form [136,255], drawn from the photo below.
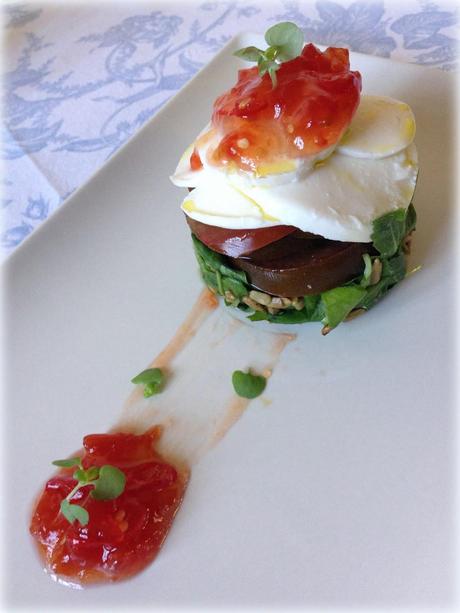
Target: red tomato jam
[308,111]
[123,535]
[195,161]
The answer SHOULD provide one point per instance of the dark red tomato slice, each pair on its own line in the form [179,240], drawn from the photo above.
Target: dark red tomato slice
[235,243]
[308,111]
[298,266]
[123,535]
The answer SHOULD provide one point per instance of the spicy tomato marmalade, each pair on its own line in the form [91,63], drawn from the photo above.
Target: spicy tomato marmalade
[123,535]
[307,112]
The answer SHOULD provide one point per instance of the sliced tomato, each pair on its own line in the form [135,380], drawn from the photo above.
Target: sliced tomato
[235,243]
[299,266]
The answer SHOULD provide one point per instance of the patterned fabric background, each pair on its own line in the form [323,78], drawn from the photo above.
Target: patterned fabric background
[80,80]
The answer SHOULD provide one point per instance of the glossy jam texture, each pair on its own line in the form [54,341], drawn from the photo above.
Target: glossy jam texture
[123,535]
[307,112]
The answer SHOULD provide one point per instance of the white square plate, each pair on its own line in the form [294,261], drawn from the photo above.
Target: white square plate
[337,490]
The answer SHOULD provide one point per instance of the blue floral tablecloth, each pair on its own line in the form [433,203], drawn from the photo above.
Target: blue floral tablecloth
[80,80]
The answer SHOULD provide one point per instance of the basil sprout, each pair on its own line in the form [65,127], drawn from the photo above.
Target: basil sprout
[110,484]
[152,378]
[74,512]
[285,42]
[248,385]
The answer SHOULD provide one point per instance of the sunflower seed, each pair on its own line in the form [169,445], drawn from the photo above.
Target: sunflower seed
[298,303]
[260,297]
[376,272]
[253,304]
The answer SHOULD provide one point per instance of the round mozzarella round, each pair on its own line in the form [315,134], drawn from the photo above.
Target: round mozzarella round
[184,176]
[381,127]
[372,171]
[279,172]
[217,203]
[338,200]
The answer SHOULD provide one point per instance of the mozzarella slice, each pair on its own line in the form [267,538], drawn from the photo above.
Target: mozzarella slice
[381,127]
[338,200]
[373,171]
[217,203]
[184,176]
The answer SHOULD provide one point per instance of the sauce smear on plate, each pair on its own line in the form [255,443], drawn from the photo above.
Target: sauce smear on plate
[123,535]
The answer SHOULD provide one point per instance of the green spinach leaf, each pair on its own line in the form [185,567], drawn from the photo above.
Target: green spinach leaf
[394,269]
[388,232]
[238,289]
[338,303]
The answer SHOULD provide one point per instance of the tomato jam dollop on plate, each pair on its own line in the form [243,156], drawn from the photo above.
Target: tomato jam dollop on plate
[123,535]
[307,112]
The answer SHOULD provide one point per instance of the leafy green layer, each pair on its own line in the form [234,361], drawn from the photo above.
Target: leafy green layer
[333,306]
[389,230]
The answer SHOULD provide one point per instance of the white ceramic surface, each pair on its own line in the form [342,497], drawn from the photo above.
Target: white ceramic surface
[340,492]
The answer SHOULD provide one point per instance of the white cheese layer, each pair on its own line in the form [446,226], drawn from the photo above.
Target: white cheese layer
[381,127]
[372,172]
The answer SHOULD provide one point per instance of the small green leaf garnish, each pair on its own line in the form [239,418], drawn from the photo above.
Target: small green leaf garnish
[285,42]
[79,474]
[248,385]
[92,473]
[67,463]
[286,38]
[74,512]
[110,484]
[250,54]
[152,378]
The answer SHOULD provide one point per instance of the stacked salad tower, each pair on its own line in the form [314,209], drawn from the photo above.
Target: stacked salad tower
[300,188]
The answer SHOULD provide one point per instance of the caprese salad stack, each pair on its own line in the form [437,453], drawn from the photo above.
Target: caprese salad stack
[300,188]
